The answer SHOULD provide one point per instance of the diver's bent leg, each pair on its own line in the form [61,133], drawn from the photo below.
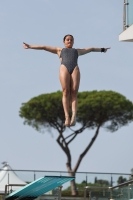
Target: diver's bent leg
[75,80]
[65,83]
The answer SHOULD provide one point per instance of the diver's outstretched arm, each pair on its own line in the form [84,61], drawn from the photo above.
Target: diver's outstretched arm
[41,47]
[91,49]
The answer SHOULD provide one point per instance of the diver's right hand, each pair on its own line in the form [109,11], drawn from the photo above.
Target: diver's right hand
[26,46]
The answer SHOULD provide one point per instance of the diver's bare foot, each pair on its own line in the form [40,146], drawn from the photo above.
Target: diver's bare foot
[67,121]
[73,120]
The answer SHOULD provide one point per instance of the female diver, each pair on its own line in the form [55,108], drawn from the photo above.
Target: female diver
[69,72]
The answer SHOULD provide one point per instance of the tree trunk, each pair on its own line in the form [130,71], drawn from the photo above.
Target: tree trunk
[73,172]
[74,190]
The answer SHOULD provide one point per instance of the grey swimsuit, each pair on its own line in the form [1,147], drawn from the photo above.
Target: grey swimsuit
[69,58]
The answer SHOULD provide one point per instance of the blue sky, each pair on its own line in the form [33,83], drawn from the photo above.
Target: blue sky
[28,73]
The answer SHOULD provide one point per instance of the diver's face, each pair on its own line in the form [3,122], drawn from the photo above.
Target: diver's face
[69,41]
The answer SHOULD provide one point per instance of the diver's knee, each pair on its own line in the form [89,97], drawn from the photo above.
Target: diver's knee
[74,93]
[66,92]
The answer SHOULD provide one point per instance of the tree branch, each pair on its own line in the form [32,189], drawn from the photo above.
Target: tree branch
[56,125]
[76,133]
[60,140]
[87,148]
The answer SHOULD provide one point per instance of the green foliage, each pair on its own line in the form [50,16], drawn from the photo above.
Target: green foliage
[132,171]
[131,176]
[46,110]
[101,182]
[103,107]
[96,108]
[81,186]
[121,180]
[67,193]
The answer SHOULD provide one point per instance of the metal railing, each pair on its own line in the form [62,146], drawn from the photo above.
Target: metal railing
[86,177]
[119,191]
[104,182]
[96,192]
[10,185]
[127,14]
[121,185]
[122,191]
[107,192]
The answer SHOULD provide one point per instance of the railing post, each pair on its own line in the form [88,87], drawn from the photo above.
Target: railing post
[60,188]
[124,16]
[34,176]
[111,194]
[90,195]
[86,180]
[85,193]
[125,25]
[6,190]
